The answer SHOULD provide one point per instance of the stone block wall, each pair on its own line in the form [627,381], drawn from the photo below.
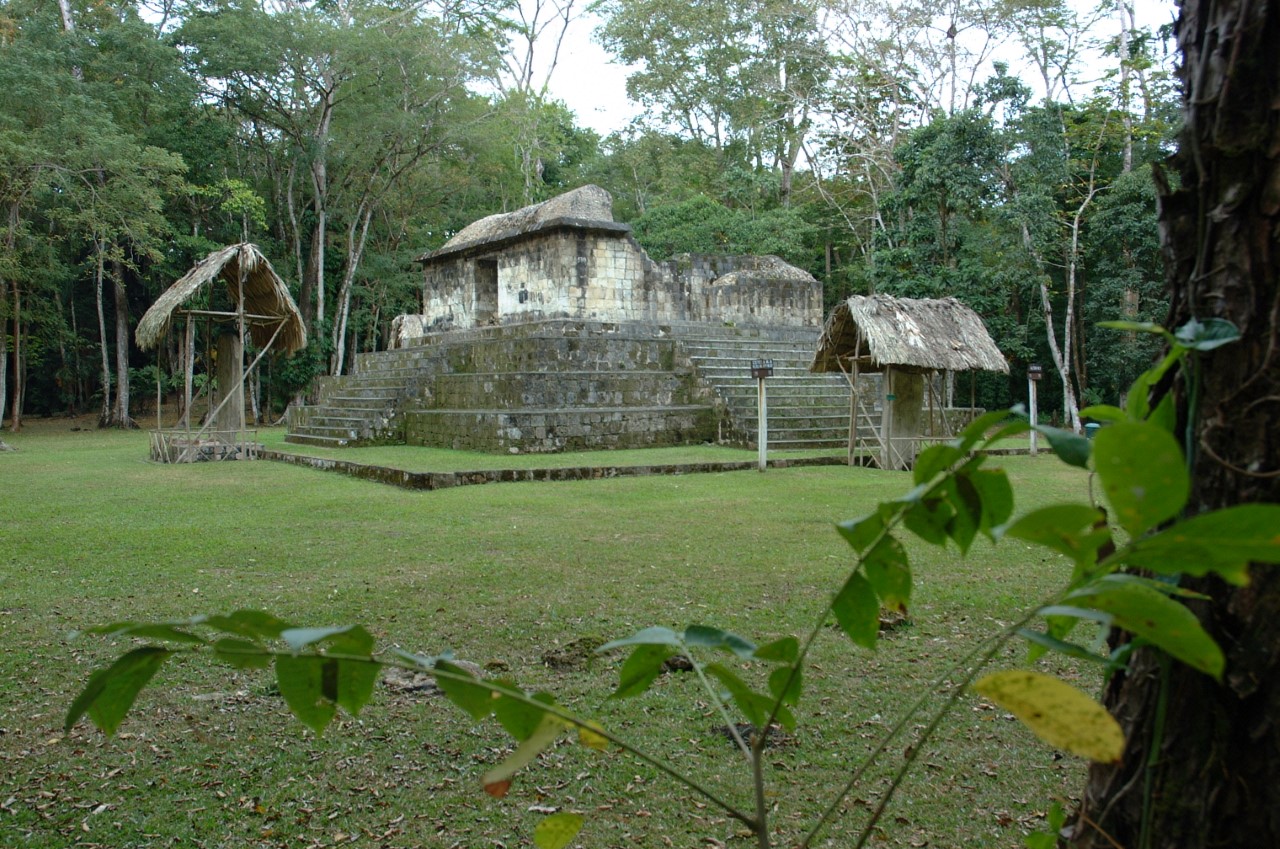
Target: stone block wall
[602,274]
[545,431]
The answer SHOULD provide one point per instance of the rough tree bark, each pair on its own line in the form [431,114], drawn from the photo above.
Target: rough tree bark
[1208,776]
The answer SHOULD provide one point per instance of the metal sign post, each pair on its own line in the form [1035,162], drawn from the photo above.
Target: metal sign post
[1035,371]
[760,369]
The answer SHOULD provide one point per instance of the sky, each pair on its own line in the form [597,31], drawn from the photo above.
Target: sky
[595,87]
[590,83]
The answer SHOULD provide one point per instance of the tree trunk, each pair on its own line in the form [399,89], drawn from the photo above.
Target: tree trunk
[104,417]
[4,353]
[1212,779]
[357,238]
[122,417]
[19,371]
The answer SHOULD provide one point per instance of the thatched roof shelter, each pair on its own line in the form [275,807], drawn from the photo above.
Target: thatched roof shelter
[267,307]
[878,331]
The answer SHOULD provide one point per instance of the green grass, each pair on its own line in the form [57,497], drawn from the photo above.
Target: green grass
[90,532]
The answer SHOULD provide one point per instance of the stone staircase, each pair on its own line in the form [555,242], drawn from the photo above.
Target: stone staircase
[571,385]
[805,410]
[356,409]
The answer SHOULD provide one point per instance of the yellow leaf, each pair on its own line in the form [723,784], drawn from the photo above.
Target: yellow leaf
[557,831]
[588,736]
[1058,713]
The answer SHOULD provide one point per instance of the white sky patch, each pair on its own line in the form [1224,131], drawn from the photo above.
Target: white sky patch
[594,87]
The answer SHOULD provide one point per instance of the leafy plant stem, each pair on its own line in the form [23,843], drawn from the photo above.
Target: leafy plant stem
[720,705]
[823,618]
[518,695]
[974,662]
[757,778]
[1191,372]
[561,713]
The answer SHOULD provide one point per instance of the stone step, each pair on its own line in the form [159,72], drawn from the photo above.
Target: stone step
[318,440]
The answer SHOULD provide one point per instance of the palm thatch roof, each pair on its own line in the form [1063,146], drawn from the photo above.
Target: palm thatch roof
[268,305]
[920,334]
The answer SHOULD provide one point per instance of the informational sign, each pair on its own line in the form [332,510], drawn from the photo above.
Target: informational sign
[760,369]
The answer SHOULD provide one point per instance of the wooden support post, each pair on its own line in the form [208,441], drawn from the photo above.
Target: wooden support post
[188,371]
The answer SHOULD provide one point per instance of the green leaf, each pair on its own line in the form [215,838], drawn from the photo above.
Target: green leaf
[966,505]
[1076,530]
[1048,839]
[858,611]
[1104,413]
[354,641]
[1016,427]
[307,685]
[1142,473]
[714,638]
[459,686]
[786,684]
[929,520]
[655,636]
[861,533]
[520,718]
[1073,612]
[786,718]
[242,654]
[976,431]
[1138,401]
[356,678]
[171,631]
[252,624]
[1165,415]
[754,706]
[888,571]
[1223,543]
[1071,448]
[785,650]
[110,692]
[641,669]
[933,460]
[992,486]
[1137,327]
[1056,712]
[497,780]
[557,830]
[1048,641]
[1156,618]
[420,660]
[1207,335]
[299,638]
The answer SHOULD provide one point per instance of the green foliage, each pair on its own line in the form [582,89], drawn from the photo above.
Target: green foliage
[702,226]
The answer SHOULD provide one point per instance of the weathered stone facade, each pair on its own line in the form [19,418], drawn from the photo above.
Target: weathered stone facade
[567,258]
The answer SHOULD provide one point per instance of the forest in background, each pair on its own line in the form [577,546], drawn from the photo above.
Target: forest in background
[1004,152]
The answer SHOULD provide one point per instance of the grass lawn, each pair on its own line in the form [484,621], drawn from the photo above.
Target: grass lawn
[507,576]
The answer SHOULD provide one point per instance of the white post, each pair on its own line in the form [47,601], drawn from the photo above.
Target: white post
[1031,395]
[762,425]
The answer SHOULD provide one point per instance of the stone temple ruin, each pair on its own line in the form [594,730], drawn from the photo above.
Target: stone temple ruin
[550,329]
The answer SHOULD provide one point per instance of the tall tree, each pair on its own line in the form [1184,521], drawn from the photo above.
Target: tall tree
[741,79]
[1202,755]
